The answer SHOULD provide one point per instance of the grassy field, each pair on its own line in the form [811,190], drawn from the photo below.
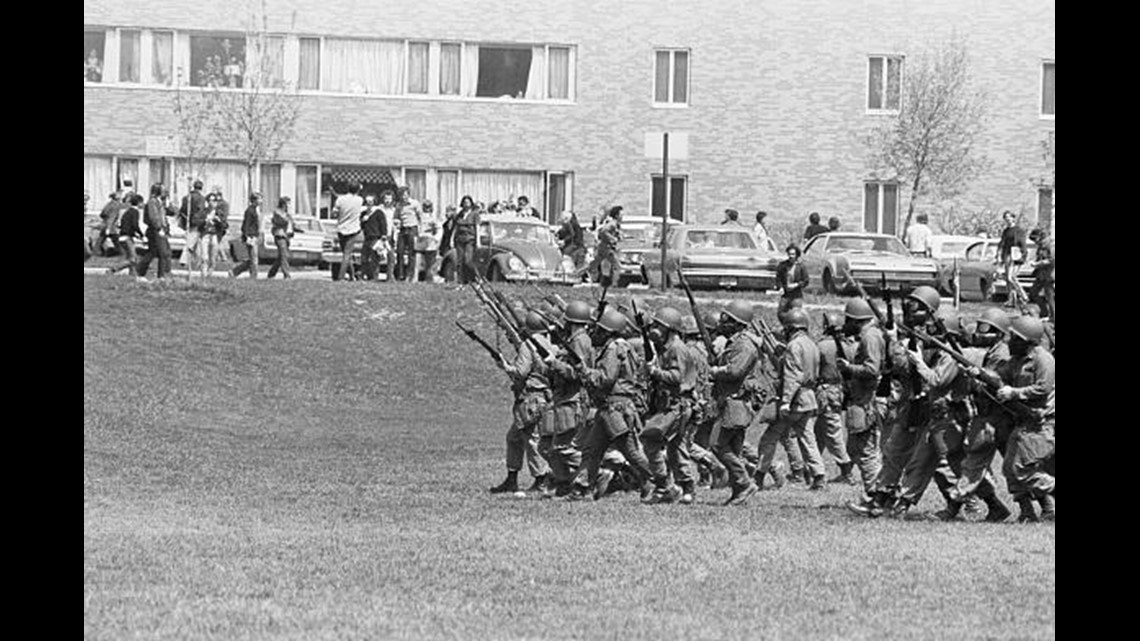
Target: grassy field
[310,460]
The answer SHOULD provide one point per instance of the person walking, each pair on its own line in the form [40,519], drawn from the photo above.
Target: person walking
[157,233]
[129,230]
[673,380]
[814,228]
[282,229]
[347,210]
[191,217]
[792,279]
[732,377]
[251,237]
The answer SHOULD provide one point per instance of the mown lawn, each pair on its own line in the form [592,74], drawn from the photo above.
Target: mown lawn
[310,460]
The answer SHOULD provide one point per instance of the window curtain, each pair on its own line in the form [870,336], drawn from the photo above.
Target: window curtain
[875,82]
[232,178]
[559,79]
[363,66]
[305,201]
[489,186]
[416,181]
[308,77]
[470,69]
[894,77]
[270,186]
[449,69]
[129,170]
[162,58]
[536,81]
[418,67]
[448,191]
[265,61]
[130,52]
[97,180]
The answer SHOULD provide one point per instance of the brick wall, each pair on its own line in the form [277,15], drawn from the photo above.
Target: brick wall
[777,94]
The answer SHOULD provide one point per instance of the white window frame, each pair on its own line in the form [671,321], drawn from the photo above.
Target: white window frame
[879,205]
[688,79]
[669,195]
[886,81]
[1041,91]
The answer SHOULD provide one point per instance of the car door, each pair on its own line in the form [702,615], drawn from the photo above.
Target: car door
[483,244]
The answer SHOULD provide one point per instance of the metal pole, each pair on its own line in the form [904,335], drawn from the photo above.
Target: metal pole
[665,209]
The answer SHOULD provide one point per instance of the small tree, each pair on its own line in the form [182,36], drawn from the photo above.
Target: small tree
[256,122]
[932,145]
[198,117]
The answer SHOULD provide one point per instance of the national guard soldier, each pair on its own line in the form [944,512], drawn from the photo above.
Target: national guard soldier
[938,453]
[797,405]
[733,387]
[703,415]
[862,375]
[673,381]
[568,402]
[529,372]
[612,383]
[989,429]
[829,423]
[1029,380]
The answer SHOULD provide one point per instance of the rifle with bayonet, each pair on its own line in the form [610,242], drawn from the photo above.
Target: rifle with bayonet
[496,354]
[989,382]
[887,323]
[705,338]
[643,327]
[601,303]
[496,314]
[554,300]
[773,347]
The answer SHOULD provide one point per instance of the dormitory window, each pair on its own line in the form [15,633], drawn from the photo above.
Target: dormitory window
[93,56]
[309,72]
[674,200]
[671,77]
[880,207]
[217,60]
[418,67]
[884,82]
[1049,89]
[450,65]
[506,72]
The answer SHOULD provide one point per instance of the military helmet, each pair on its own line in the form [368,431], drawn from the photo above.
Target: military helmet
[579,312]
[995,318]
[796,318]
[928,296]
[1027,328]
[612,321]
[670,318]
[858,309]
[833,320]
[535,322]
[689,325]
[950,320]
[739,311]
[711,319]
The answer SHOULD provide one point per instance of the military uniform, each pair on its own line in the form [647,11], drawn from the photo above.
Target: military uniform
[702,417]
[799,373]
[987,433]
[1032,379]
[734,368]
[829,432]
[674,379]
[568,413]
[531,409]
[862,415]
[910,412]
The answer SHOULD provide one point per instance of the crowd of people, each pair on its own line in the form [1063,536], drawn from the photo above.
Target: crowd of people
[608,399]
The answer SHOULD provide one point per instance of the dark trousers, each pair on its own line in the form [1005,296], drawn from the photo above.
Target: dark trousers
[282,262]
[406,253]
[159,247]
[249,264]
[370,259]
[465,262]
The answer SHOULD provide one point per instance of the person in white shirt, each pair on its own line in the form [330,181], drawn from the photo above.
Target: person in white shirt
[347,210]
[759,231]
[918,236]
[427,243]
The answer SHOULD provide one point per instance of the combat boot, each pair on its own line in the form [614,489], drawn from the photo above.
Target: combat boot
[818,483]
[797,476]
[845,474]
[719,478]
[509,484]
[1048,508]
[687,496]
[705,479]
[998,512]
[539,484]
[862,507]
[950,512]
[899,509]
[741,497]
[663,495]
[778,475]
[1028,512]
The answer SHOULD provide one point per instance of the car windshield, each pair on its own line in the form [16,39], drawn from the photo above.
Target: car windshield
[641,234]
[521,232]
[888,244]
[952,249]
[709,239]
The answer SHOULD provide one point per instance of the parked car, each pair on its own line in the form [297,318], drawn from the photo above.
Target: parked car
[945,248]
[176,239]
[832,258]
[713,256]
[981,277]
[305,248]
[639,235]
[510,248]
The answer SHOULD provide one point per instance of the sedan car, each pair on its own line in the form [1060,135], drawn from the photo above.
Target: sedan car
[305,248]
[713,256]
[639,235]
[513,248]
[832,259]
[980,275]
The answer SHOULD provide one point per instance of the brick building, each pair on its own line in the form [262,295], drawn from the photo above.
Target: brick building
[560,101]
